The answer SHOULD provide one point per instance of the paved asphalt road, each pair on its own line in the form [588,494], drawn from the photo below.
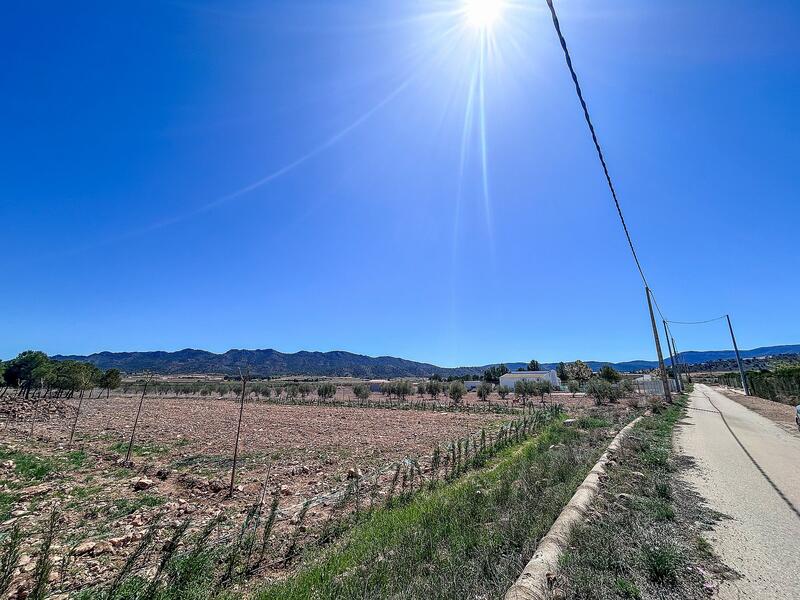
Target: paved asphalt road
[749,469]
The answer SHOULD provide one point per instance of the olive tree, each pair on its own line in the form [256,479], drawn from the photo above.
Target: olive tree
[361,391]
[573,386]
[503,391]
[540,388]
[485,391]
[456,391]
[326,391]
[602,391]
[402,389]
[579,370]
[434,388]
[522,390]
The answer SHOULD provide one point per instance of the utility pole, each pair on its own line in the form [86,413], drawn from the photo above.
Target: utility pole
[661,368]
[672,359]
[745,387]
[682,367]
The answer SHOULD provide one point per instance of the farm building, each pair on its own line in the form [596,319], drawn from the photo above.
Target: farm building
[509,379]
[375,385]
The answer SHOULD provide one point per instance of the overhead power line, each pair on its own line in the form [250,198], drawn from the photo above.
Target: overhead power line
[696,322]
[594,139]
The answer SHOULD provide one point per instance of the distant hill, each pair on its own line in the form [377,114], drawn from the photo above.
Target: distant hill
[693,357]
[268,363]
[338,363]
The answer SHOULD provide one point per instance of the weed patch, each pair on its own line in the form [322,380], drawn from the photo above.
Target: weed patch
[642,547]
[29,466]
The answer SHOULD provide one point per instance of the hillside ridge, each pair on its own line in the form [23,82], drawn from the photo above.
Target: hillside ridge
[270,362]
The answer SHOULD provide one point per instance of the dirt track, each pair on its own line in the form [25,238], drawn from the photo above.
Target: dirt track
[749,469]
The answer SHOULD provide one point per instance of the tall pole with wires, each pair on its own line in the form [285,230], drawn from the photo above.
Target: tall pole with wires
[672,361]
[661,368]
[745,387]
[681,367]
[613,191]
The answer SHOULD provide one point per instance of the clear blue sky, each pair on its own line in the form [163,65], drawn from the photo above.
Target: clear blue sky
[133,135]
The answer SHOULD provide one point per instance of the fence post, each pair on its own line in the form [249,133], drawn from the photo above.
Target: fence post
[238,431]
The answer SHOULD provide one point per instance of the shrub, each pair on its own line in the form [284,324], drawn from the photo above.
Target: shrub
[361,391]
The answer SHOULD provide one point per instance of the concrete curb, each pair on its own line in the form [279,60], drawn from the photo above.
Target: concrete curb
[534,582]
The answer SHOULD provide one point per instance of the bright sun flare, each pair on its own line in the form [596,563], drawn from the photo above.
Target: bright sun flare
[482,14]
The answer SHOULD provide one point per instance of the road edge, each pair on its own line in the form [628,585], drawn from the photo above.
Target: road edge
[534,581]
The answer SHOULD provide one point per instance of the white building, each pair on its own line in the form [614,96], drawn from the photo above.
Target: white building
[509,379]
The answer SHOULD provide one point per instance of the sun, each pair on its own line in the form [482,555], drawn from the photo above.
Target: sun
[482,14]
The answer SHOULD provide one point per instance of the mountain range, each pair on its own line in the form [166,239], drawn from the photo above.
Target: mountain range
[338,363]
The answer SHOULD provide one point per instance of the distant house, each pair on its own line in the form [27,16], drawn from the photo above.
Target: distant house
[376,385]
[509,379]
[472,384]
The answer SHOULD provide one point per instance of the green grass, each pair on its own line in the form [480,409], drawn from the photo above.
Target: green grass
[77,459]
[123,506]
[641,549]
[143,449]
[29,466]
[6,504]
[591,422]
[82,492]
[469,539]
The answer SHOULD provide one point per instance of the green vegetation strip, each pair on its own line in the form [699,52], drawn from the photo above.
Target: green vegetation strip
[640,542]
[470,538]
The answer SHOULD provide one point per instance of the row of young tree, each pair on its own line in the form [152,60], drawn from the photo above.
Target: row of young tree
[578,371]
[34,372]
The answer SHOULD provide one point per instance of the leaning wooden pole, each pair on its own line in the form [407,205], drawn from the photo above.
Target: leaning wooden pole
[661,367]
[238,432]
[672,360]
[745,387]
